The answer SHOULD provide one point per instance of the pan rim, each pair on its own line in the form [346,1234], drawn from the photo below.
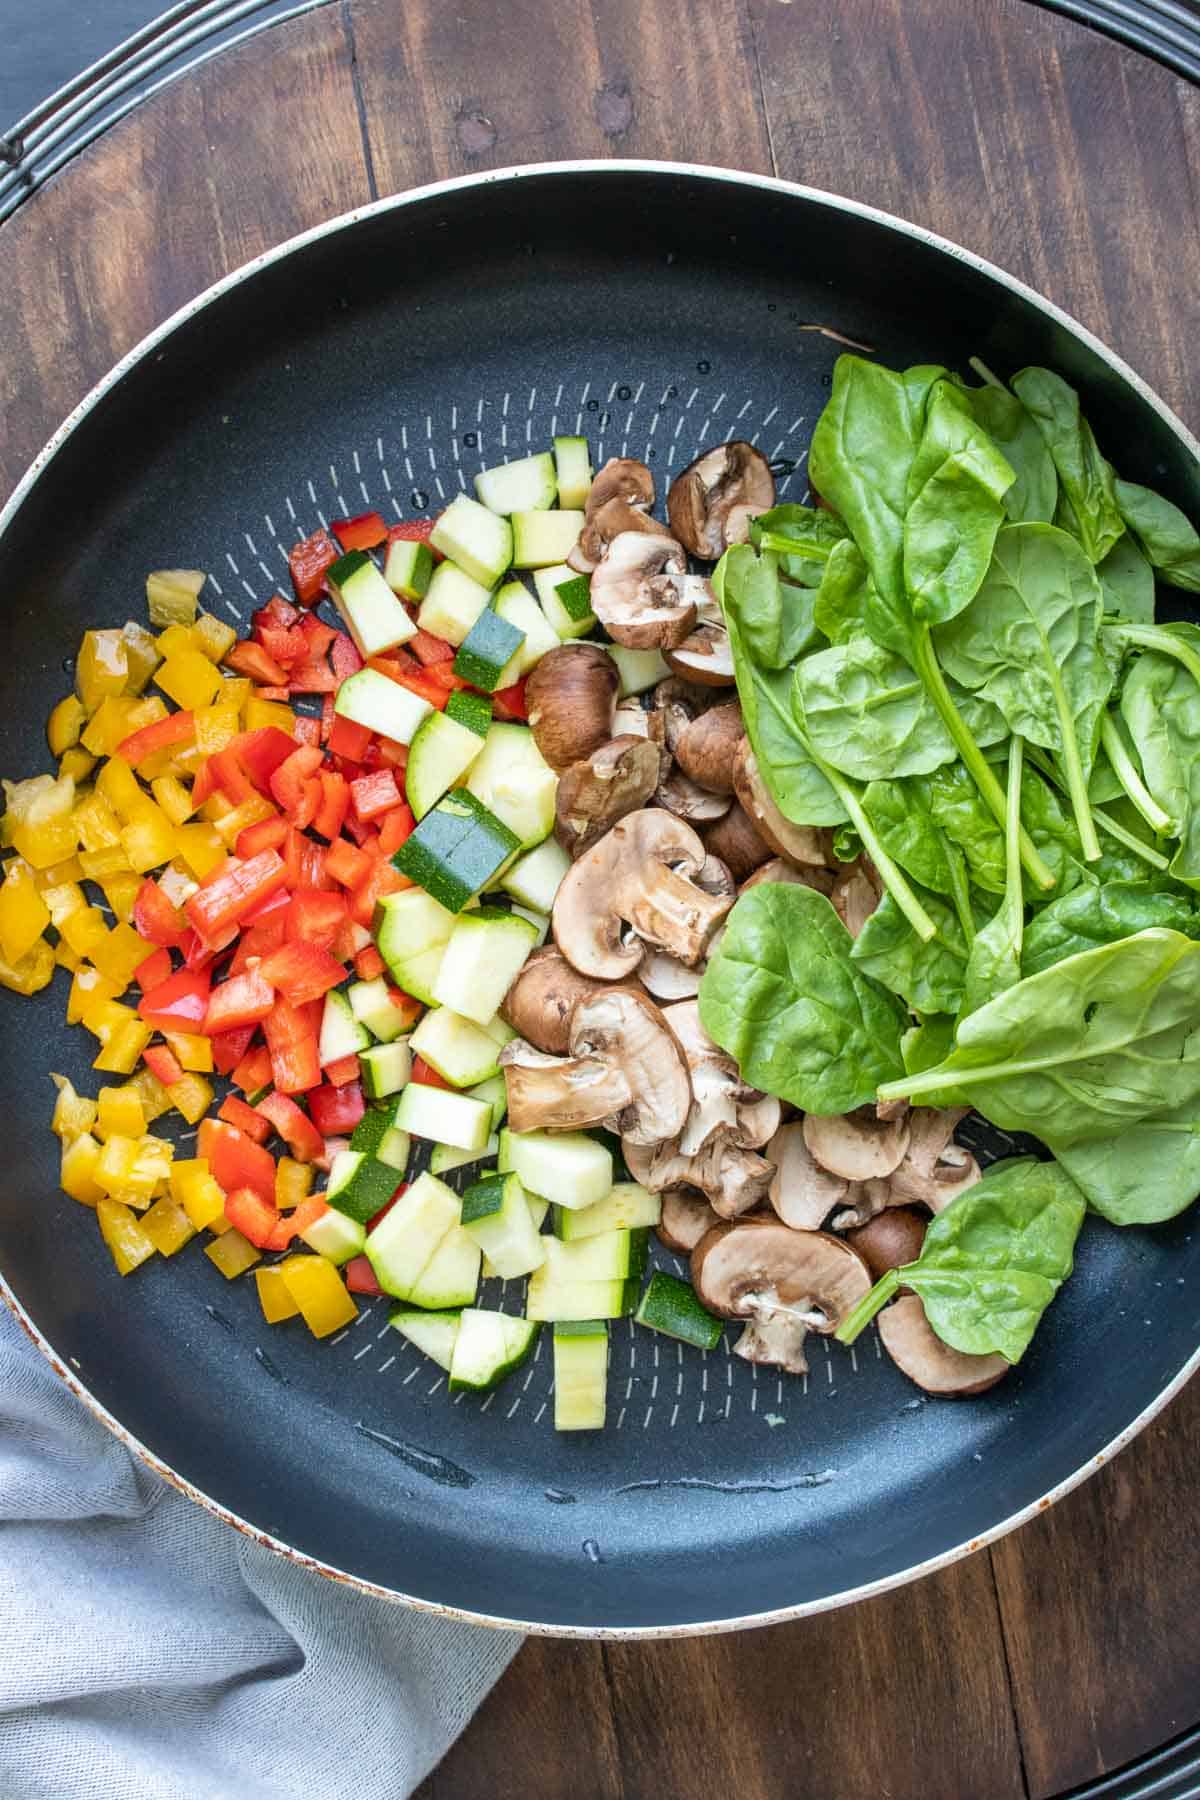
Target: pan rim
[42,462]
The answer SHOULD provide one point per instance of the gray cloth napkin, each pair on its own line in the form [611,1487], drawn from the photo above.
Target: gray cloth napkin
[149,1652]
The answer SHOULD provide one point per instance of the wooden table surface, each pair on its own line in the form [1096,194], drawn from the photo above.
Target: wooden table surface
[1074,1645]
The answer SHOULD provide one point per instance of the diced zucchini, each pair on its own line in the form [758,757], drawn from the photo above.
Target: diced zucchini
[341,1033]
[335,1235]
[456,1047]
[474,537]
[455,851]
[638,669]
[451,1276]
[385,1068]
[404,1242]
[606,1256]
[433,1333]
[567,1167]
[359,1184]
[444,1116]
[440,754]
[517,605]
[515,782]
[534,878]
[486,949]
[541,538]
[552,1300]
[670,1306]
[408,568]
[371,1129]
[627,1207]
[453,603]
[539,921]
[496,1214]
[370,699]
[374,617]
[580,1374]
[525,485]
[488,1347]
[394,1148]
[374,1007]
[444,1159]
[412,930]
[468,708]
[566,600]
[489,656]
[495,1091]
[573,466]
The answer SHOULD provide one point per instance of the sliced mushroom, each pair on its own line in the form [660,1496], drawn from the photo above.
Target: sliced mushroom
[665,977]
[790,1281]
[854,898]
[780,870]
[706,747]
[736,842]
[686,1216]
[915,1347]
[890,1240]
[711,503]
[721,1101]
[632,720]
[601,527]
[677,702]
[857,1146]
[541,1000]
[571,697]
[802,1192]
[703,656]
[620,488]
[803,844]
[593,794]
[869,1198]
[954,1172]
[734,1180]
[715,877]
[689,801]
[634,890]
[642,594]
[625,1070]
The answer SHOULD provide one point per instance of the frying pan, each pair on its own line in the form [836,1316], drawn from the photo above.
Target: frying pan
[381,361]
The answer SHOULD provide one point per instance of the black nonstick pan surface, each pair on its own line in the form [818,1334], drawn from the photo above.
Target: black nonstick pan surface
[382,361]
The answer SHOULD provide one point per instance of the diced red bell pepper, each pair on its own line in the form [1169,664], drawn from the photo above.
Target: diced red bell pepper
[176,728]
[384,879]
[198,952]
[362,532]
[385,754]
[311,868]
[315,916]
[179,1003]
[395,828]
[249,658]
[261,752]
[254,1070]
[308,561]
[350,940]
[257,1218]
[425,1076]
[333,1146]
[360,1276]
[259,940]
[154,970]
[310,1209]
[318,635]
[273,693]
[229,1047]
[282,1115]
[509,703]
[414,531]
[443,675]
[342,1070]
[155,918]
[227,773]
[265,910]
[345,657]
[348,738]
[301,972]
[385,1209]
[235,1160]
[408,1007]
[355,829]
[346,863]
[429,649]
[284,646]
[295,787]
[368,963]
[163,1064]
[278,613]
[306,729]
[236,889]
[328,715]
[244,999]
[334,1110]
[374,794]
[265,834]
[335,802]
[312,677]
[235,1112]
[292,1041]
[412,677]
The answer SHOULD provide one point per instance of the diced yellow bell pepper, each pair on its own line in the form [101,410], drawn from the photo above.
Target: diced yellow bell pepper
[196,1190]
[155,1099]
[216,726]
[149,838]
[274,1296]
[155,1156]
[114,1170]
[121,1051]
[319,1292]
[118,954]
[110,723]
[200,847]
[24,914]
[96,822]
[65,957]
[215,808]
[76,764]
[167,1226]
[176,884]
[77,1176]
[212,636]
[191,1050]
[102,667]
[120,787]
[65,724]
[248,813]
[122,1232]
[120,1112]
[171,595]
[221,1224]
[232,1254]
[87,987]
[188,678]
[41,814]
[101,865]
[175,640]
[142,656]
[192,1097]
[293,1180]
[73,1113]
[84,929]
[259,713]
[184,762]
[101,1014]
[61,901]
[32,973]
[236,690]
[57,874]
[121,890]
[173,798]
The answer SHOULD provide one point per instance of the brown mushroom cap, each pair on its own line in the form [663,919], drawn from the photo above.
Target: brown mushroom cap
[711,503]
[571,696]
[915,1347]
[803,844]
[687,800]
[601,527]
[620,478]
[632,720]
[857,1146]
[890,1240]
[706,747]
[715,877]
[801,1192]
[868,1199]
[677,702]
[761,1269]
[625,1070]
[686,1216]
[594,793]
[787,873]
[734,839]
[702,656]
[542,998]
[642,594]
[632,890]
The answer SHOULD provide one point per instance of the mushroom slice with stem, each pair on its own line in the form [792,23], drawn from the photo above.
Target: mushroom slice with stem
[856,1145]
[686,1217]
[571,696]
[869,1198]
[915,1347]
[642,594]
[706,746]
[780,870]
[715,877]
[711,503]
[542,998]
[595,792]
[952,1174]
[625,1070]
[734,839]
[801,1191]
[632,720]
[889,1240]
[787,1283]
[806,845]
[601,527]
[632,891]
[734,1180]
[722,1103]
[665,977]
[703,656]
[687,800]
[623,490]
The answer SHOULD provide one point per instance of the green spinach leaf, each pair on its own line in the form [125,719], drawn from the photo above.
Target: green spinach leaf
[927,976]
[1160,704]
[841,603]
[925,1045]
[1144,1174]
[1166,535]
[901,814]
[1087,486]
[801,536]
[994,962]
[775,618]
[955,507]
[1034,492]
[1127,582]
[863,710]
[1101,913]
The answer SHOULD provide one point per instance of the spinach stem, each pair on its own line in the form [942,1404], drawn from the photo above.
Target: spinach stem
[977,766]
[984,373]
[860,1316]
[1014,895]
[893,878]
[1154,637]
[1125,770]
[1154,857]
[960,887]
[1073,770]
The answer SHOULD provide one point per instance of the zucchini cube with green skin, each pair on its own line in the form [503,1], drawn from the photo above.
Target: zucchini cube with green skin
[451,1276]
[528,484]
[372,1128]
[455,851]
[374,1008]
[606,1256]
[335,1236]
[487,948]
[475,538]
[453,603]
[496,1213]
[456,1047]
[370,699]
[489,655]
[566,600]
[628,1207]
[567,1167]
[444,1116]
[670,1306]
[385,1068]
[394,1149]
[489,1346]
[515,782]
[549,1300]
[542,538]
[444,1159]
[359,1185]
[341,1033]
[517,605]
[535,878]
[494,1090]
[638,669]
[408,568]
[432,1332]
[580,1374]
[470,709]
[374,617]
[573,467]
[404,1242]
[411,931]
[439,756]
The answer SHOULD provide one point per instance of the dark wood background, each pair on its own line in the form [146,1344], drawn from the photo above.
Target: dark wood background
[1075,1644]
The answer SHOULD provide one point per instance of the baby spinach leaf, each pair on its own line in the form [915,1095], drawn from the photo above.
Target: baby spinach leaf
[927,976]
[1087,486]
[994,962]
[1127,582]
[1145,1173]
[1034,492]
[957,809]
[1160,704]
[925,1045]
[956,488]
[1101,913]
[802,537]
[783,996]
[1166,535]
[841,603]
[1096,1042]
[992,1262]
[774,617]
[901,814]
[865,712]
